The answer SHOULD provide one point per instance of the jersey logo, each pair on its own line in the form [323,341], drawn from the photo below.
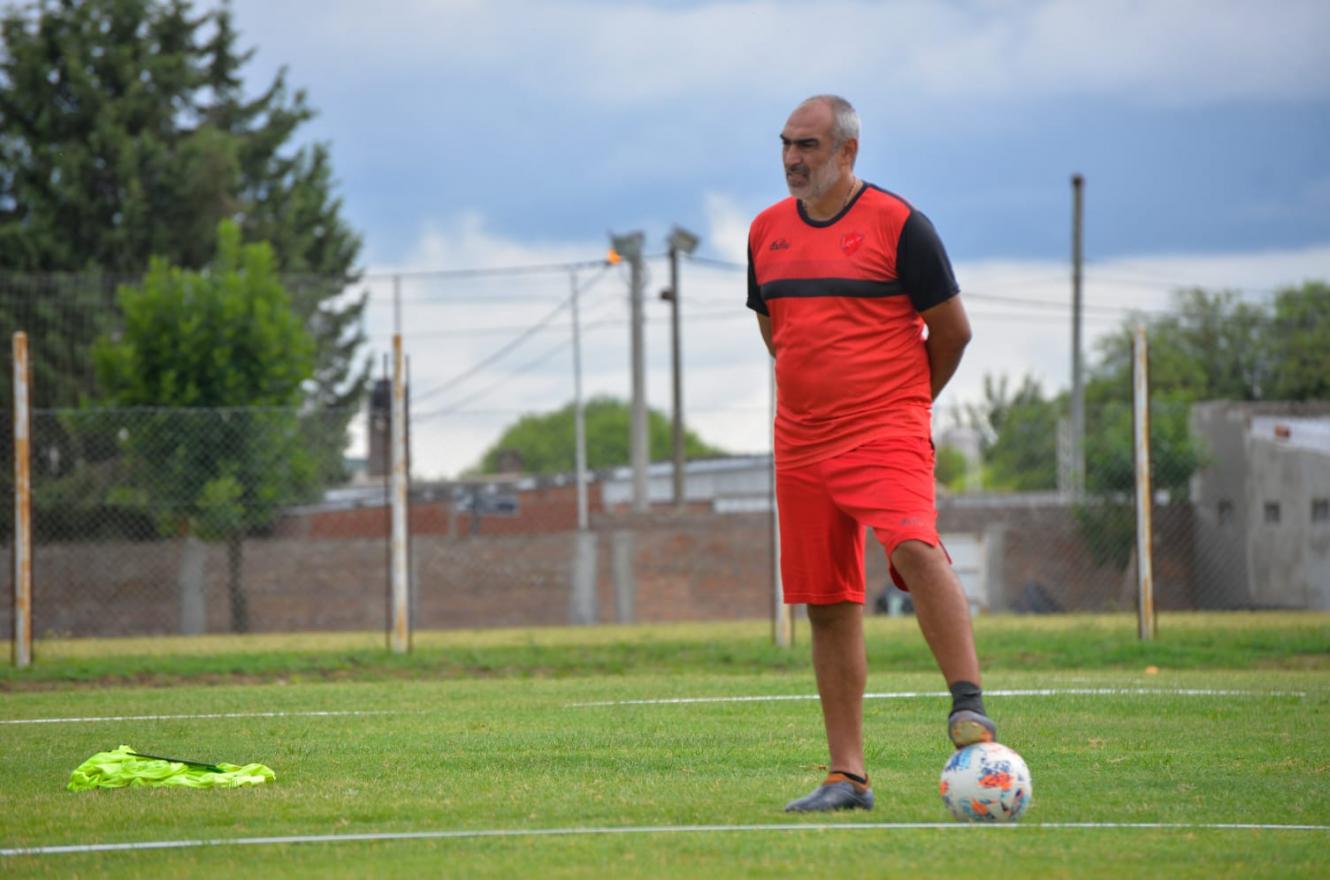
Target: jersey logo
[780,244]
[850,241]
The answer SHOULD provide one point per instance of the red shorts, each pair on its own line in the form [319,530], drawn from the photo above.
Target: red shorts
[886,485]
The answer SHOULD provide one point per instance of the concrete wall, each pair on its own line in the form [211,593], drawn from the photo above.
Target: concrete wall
[1289,559]
[1244,556]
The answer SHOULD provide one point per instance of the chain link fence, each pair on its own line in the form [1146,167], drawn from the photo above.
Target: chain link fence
[155,521]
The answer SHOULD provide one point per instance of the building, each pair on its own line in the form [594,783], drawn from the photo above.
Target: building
[1262,504]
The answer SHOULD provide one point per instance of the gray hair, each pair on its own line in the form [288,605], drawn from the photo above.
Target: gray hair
[845,124]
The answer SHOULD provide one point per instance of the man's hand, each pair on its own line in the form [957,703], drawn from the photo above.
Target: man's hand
[948,334]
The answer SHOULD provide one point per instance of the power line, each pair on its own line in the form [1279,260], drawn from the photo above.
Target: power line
[497,329]
[719,264]
[530,365]
[496,355]
[1174,286]
[1050,304]
[515,342]
[464,300]
[492,271]
[456,406]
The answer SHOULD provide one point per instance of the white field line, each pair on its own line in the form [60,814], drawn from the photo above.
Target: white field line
[912,695]
[640,829]
[95,718]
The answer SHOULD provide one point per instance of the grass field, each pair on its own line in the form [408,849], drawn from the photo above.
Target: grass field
[501,738]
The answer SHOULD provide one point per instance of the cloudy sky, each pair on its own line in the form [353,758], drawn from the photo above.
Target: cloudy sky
[473,135]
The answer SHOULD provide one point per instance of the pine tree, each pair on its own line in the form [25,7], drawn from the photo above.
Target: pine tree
[125,134]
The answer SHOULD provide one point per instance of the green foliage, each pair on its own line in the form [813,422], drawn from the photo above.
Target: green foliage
[1298,343]
[220,358]
[546,442]
[125,134]
[1212,347]
[951,467]
[1018,435]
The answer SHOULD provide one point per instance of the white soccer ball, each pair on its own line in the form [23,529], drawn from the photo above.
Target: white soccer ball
[986,782]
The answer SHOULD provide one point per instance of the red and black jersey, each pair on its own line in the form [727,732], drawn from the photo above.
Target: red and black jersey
[844,297]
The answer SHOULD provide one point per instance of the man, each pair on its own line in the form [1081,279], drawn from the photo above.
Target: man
[845,277]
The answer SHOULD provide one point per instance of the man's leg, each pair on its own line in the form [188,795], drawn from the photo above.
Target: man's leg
[842,671]
[943,613]
[941,608]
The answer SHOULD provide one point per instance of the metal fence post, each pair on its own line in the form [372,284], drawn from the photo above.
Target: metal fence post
[22,646]
[1145,606]
[401,621]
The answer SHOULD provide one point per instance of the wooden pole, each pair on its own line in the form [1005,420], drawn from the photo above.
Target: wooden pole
[401,619]
[22,645]
[1145,606]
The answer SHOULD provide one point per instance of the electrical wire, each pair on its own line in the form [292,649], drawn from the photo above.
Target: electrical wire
[513,343]
[456,405]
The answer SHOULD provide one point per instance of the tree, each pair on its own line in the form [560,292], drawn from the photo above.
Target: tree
[545,443]
[220,357]
[1212,347]
[124,135]
[1018,434]
[1298,343]
[950,467]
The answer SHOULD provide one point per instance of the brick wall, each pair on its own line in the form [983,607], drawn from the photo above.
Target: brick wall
[687,566]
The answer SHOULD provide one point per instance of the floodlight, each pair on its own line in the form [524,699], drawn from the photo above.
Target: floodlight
[682,240]
[628,247]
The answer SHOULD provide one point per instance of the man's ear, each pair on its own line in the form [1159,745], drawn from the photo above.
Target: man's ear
[850,150]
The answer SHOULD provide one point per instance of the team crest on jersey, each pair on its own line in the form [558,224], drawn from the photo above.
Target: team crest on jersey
[850,241]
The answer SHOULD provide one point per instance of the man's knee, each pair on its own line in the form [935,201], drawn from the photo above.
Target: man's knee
[917,560]
[836,614]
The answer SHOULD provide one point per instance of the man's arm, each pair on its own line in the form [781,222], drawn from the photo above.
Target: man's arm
[764,327]
[948,334]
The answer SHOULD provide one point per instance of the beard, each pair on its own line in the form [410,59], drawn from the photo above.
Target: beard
[819,182]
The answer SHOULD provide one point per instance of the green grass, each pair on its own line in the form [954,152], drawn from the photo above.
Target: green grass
[1192,641]
[481,733]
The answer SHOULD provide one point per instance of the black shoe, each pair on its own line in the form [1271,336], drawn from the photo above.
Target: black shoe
[837,792]
[968,727]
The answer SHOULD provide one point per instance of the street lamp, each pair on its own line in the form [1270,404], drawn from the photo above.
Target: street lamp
[685,242]
[629,247]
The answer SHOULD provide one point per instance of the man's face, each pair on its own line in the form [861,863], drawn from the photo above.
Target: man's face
[812,165]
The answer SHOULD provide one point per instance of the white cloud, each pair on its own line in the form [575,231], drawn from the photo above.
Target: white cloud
[728,225]
[627,54]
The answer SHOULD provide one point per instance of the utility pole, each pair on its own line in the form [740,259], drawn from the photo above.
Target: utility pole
[680,241]
[1077,451]
[579,414]
[629,247]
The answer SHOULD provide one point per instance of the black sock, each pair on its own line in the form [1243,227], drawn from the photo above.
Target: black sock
[862,780]
[967,695]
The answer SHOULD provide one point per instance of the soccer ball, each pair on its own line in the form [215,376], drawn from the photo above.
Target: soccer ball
[986,782]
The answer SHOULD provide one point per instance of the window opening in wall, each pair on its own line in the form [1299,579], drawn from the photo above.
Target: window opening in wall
[1320,510]
[1272,512]
[1225,512]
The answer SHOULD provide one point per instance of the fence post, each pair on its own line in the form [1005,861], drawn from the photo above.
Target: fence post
[401,623]
[1145,605]
[22,646]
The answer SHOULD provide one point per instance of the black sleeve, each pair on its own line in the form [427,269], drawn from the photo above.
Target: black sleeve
[922,264]
[755,301]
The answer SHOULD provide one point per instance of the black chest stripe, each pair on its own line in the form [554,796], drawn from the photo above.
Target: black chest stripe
[851,287]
